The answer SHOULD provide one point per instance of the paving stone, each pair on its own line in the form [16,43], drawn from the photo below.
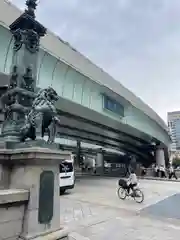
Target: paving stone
[100,215]
[136,228]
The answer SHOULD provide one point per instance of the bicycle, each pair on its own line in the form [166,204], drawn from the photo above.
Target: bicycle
[137,194]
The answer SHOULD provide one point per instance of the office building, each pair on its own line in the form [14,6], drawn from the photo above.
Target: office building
[174,129]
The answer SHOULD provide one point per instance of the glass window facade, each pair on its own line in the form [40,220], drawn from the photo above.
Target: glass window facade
[113,106]
[177,132]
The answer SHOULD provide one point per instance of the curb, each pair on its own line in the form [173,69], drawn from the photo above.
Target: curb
[159,179]
[75,235]
[139,177]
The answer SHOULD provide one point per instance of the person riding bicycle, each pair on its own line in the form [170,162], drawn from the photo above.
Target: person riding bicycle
[132,181]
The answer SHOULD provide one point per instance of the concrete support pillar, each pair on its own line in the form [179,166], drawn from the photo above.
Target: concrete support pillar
[100,163]
[133,163]
[78,153]
[160,157]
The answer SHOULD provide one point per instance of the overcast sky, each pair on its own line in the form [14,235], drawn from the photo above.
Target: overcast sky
[136,41]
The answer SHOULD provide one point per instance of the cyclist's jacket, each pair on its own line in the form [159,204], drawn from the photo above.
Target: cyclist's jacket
[133,179]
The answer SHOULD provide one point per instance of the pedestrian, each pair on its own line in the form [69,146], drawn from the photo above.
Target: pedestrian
[156,171]
[143,171]
[94,165]
[162,171]
[172,172]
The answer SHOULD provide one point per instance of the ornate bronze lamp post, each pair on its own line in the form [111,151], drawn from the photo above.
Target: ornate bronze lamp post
[32,168]
[27,32]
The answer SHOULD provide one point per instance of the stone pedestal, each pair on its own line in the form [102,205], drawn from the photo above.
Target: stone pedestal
[36,170]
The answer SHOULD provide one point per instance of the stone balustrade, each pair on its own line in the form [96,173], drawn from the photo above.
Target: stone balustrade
[12,207]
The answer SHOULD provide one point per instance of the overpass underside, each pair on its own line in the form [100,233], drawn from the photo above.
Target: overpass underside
[83,124]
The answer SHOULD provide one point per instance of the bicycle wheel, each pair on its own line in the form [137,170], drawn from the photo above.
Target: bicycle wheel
[121,193]
[138,196]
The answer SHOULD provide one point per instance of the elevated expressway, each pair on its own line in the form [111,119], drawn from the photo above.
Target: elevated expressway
[94,107]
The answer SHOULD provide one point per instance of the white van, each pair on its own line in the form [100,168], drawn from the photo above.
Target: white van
[66,175]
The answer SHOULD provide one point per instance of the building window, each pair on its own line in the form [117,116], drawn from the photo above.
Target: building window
[113,106]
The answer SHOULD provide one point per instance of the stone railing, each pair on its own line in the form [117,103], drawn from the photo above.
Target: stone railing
[150,173]
[12,206]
